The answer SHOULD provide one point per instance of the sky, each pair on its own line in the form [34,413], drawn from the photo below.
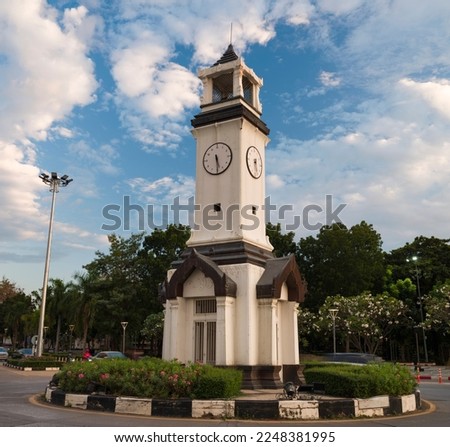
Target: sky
[356,95]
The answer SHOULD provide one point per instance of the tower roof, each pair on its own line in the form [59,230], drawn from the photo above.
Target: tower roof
[228,56]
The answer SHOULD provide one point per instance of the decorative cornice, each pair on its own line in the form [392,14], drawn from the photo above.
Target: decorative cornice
[228,113]
[230,253]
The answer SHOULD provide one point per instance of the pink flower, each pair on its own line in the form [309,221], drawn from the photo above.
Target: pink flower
[81,376]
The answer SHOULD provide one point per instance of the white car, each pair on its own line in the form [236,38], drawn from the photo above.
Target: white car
[108,355]
[3,354]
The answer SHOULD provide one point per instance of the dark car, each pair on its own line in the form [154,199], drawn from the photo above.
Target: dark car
[108,355]
[352,357]
[26,352]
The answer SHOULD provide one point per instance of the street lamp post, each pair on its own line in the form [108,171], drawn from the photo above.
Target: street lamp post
[71,328]
[54,182]
[124,326]
[419,297]
[333,312]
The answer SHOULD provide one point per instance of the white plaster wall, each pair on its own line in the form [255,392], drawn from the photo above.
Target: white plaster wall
[246,321]
[174,339]
[198,286]
[226,334]
[288,329]
[235,189]
[268,330]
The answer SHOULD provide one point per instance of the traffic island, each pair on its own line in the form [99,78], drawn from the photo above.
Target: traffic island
[261,406]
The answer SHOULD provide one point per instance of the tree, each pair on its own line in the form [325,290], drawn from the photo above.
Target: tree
[121,293]
[152,330]
[127,278]
[433,262]
[16,311]
[364,321]
[84,295]
[57,308]
[283,244]
[341,261]
[159,250]
[438,308]
[8,289]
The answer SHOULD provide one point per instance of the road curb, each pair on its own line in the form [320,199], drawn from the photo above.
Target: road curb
[239,408]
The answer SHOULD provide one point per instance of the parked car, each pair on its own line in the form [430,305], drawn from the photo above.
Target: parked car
[3,354]
[26,352]
[108,355]
[352,357]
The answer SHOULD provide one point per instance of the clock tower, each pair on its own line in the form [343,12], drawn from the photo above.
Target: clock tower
[229,301]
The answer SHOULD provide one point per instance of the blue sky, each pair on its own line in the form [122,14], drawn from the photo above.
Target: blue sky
[356,94]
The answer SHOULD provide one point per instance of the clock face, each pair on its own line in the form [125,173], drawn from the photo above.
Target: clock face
[254,162]
[217,158]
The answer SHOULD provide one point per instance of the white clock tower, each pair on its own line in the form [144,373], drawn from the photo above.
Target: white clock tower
[229,302]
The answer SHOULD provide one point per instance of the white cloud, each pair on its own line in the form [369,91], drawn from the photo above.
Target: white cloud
[389,171]
[46,72]
[329,79]
[98,159]
[19,185]
[163,190]
[152,86]
[339,7]
[435,93]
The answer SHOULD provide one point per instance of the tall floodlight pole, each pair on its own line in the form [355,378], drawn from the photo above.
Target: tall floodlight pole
[419,297]
[333,313]
[54,182]
[124,326]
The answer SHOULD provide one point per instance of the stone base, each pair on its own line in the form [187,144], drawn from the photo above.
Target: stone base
[256,377]
[294,374]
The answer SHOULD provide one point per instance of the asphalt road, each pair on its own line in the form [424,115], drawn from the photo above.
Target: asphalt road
[22,406]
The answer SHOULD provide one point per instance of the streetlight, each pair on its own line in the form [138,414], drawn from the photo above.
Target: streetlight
[54,182]
[414,259]
[333,312]
[71,328]
[124,326]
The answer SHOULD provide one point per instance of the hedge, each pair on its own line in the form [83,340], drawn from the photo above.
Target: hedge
[361,381]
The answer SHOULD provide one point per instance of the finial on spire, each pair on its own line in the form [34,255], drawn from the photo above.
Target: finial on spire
[231,33]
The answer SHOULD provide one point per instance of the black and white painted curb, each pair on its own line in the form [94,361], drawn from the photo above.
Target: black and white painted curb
[239,408]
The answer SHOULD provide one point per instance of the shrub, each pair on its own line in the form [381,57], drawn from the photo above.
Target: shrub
[37,363]
[218,383]
[150,378]
[361,381]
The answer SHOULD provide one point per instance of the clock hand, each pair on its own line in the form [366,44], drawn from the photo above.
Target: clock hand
[217,162]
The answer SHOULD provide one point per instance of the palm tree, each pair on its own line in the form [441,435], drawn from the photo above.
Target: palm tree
[84,298]
[58,306]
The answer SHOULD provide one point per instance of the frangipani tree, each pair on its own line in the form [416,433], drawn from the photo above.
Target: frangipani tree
[364,320]
[437,305]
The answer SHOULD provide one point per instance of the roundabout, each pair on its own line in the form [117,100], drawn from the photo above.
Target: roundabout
[253,404]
